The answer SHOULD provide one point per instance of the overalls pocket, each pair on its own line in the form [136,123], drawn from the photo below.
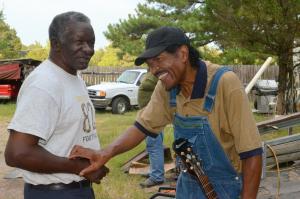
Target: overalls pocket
[228,188]
[194,133]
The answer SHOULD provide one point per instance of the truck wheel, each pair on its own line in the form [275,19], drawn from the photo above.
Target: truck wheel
[119,105]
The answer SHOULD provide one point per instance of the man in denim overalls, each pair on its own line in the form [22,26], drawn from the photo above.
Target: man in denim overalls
[208,107]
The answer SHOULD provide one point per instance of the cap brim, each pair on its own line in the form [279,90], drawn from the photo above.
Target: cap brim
[149,53]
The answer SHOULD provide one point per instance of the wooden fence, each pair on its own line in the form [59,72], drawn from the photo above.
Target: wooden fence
[247,72]
[95,75]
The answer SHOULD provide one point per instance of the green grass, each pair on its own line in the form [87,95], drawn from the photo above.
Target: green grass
[7,110]
[118,185]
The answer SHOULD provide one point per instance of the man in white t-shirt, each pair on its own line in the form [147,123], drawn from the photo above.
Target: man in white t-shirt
[53,114]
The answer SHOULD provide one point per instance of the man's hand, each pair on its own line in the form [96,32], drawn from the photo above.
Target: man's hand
[97,158]
[128,140]
[97,175]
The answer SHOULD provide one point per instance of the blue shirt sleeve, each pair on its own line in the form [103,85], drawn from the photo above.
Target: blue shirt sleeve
[249,154]
[145,131]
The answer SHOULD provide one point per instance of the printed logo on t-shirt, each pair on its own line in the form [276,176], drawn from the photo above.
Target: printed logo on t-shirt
[88,120]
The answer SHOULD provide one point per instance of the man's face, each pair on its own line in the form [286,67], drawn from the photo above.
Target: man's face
[77,47]
[169,68]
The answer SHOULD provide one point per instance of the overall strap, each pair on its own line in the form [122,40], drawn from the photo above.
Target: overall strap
[210,97]
[173,93]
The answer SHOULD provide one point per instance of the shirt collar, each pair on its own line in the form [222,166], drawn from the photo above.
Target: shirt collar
[200,81]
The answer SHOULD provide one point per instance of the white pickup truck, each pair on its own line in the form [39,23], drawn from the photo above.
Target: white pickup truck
[120,95]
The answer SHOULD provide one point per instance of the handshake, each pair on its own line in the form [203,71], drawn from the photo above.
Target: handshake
[90,163]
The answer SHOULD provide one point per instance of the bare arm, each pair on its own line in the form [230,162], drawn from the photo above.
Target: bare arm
[128,140]
[251,168]
[22,151]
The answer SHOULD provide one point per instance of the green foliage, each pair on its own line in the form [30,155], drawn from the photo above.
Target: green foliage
[103,57]
[267,27]
[129,35]
[37,51]
[211,53]
[96,57]
[111,56]
[127,60]
[10,43]
[241,56]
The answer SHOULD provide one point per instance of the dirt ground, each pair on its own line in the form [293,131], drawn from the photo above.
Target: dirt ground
[9,188]
[289,178]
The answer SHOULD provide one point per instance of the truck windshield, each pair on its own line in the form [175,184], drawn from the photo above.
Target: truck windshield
[128,77]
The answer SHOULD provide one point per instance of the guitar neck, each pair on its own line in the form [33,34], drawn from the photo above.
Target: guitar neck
[206,185]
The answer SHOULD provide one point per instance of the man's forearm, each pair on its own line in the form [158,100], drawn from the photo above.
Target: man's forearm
[22,151]
[251,168]
[41,161]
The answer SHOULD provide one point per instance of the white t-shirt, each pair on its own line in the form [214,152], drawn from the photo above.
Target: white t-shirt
[54,105]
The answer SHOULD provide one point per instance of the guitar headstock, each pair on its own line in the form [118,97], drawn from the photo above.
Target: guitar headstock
[184,150]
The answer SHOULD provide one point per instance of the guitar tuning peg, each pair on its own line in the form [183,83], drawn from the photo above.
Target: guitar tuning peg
[189,149]
[198,164]
[187,160]
[193,156]
[185,170]
[182,153]
[191,168]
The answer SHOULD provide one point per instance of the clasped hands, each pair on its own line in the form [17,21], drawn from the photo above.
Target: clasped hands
[92,163]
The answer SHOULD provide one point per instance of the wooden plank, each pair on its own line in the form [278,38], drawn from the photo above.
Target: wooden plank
[283,158]
[138,168]
[279,123]
[136,158]
[143,155]
[283,149]
[281,140]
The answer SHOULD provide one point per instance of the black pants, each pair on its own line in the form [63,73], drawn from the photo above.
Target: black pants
[31,192]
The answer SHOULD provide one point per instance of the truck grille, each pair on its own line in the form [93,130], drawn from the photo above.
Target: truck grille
[92,92]
[93,95]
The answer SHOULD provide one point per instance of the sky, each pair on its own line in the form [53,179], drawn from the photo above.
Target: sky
[31,18]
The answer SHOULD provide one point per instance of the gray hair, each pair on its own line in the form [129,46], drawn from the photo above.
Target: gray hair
[61,22]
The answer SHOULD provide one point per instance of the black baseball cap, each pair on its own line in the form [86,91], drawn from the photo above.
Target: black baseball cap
[159,39]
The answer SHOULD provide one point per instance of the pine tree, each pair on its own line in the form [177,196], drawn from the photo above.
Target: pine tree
[238,27]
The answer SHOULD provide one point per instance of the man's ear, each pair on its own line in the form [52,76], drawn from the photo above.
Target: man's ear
[184,53]
[55,44]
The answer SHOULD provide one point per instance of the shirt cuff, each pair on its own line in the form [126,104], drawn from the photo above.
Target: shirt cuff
[145,131]
[249,154]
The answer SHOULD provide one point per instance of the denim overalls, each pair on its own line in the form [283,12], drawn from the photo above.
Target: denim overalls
[226,181]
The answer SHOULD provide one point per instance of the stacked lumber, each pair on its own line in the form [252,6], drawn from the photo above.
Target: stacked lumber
[286,149]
